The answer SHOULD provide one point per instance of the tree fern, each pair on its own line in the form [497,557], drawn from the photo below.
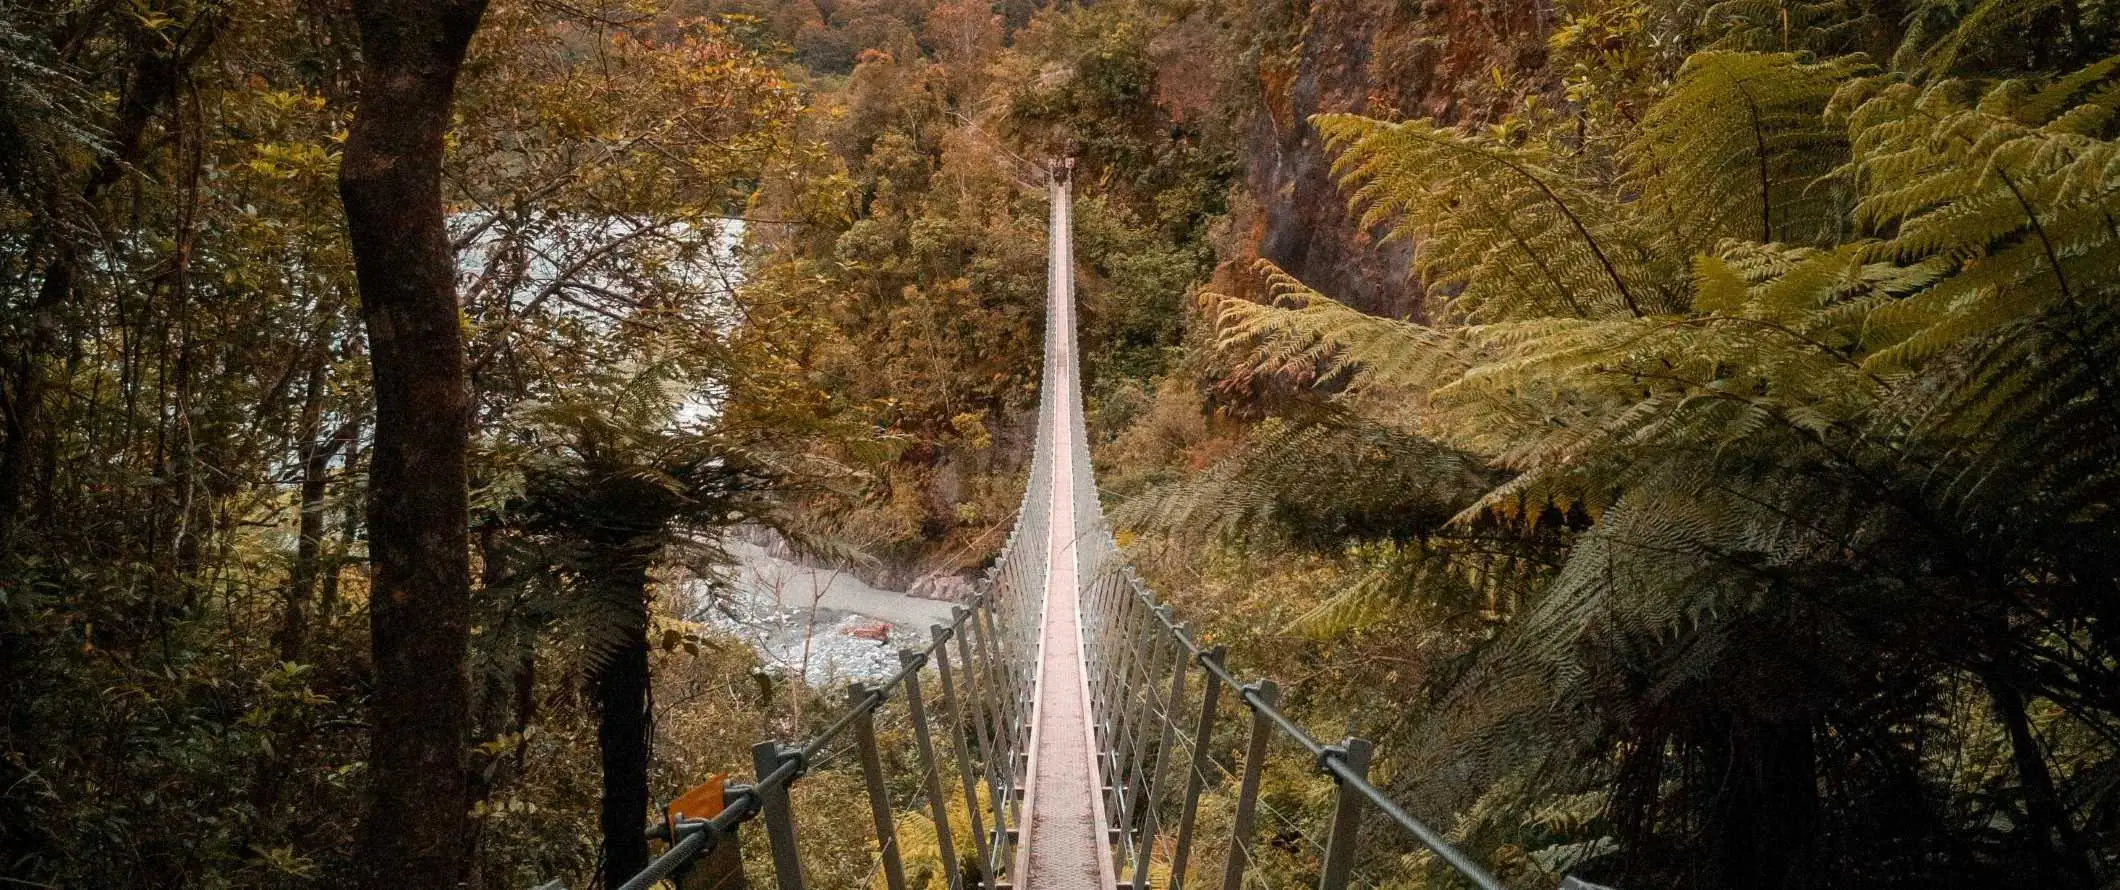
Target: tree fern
[1828,371]
[1563,400]
[1377,497]
[1316,485]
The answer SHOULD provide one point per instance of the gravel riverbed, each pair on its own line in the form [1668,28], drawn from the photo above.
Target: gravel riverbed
[822,623]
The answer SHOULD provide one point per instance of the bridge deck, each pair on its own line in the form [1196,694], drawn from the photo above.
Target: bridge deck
[1064,843]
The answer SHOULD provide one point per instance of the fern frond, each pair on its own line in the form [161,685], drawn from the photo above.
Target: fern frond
[1738,149]
[1491,222]
[1823,27]
[1307,330]
[1659,574]
[1942,36]
[2011,199]
[1315,485]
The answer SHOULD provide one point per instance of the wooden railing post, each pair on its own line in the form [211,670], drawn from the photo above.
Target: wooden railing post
[1248,786]
[1196,776]
[931,774]
[1346,814]
[879,797]
[779,814]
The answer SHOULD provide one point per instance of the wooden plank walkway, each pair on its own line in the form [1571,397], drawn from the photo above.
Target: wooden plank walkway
[1064,844]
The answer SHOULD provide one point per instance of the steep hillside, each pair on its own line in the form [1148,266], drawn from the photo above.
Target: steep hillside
[1454,62]
[1190,123]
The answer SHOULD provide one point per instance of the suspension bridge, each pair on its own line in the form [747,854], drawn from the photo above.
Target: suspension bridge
[1073,723]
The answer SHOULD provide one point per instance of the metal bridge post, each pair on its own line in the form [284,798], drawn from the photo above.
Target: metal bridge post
[879,798]
[995,680]
[778,812]
[1160,771]
[1248,787]
[1139,646]
[977,695]
[938,806]
[1196,775]
[1137,737]
[1346,813]
[951,704]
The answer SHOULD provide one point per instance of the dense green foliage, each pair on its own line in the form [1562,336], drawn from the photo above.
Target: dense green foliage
[1770,437]
[188,423]
[1678,432]
[932,288]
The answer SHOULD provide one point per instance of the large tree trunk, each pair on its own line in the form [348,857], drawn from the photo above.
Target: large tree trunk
[415,835]
[620,559]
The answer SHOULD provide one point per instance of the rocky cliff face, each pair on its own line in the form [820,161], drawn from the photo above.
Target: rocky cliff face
[1454,60]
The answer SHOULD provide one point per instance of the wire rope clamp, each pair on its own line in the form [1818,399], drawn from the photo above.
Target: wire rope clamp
[793,754]
[1329,753]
